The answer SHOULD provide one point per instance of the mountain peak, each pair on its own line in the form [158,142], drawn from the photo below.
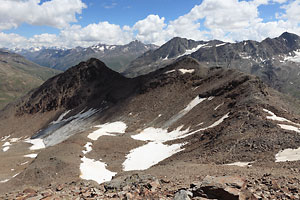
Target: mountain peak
[290,37]
[135,42]
[90,70]
[177,39]
[79,85]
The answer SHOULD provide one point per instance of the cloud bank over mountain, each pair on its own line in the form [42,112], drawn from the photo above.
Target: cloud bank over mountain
[229,20]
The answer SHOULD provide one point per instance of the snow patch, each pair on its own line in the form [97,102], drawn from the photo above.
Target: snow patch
[210,98]
[159,134]
[190,51]
[107,129]
[33,155]
[184,71]
[240,164]
[24,163]
[222,44]
[281,119]
[288,155]
[148,155]
[195,88]
[197,100]
[193,103]
[102,48]
[218,122]
[4,138]
[166,58]
[6,146]
[36,144]
[88,147]
[56,133]
[289,127]
[274,117]
[295,58]
[245,56]
[60,118]
[15,175]
[13,140]
[170,71]
[218,106]
[4,181]
[200,124]
[111,47]
[95,170]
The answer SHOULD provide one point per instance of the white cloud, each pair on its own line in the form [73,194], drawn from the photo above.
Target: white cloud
[280,1]
[292,11]
[228,20]
[72,36]
[102,32]
[150,29]
[11,40]
[55,13]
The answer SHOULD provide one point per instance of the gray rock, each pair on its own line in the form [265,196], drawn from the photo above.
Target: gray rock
[183,195]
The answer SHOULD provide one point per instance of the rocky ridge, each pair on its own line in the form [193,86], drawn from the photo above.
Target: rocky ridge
[275,61]
[212,118]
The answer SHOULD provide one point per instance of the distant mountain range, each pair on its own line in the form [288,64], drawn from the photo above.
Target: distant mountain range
[276,61]
[115,56]
[18,76]
[166,54]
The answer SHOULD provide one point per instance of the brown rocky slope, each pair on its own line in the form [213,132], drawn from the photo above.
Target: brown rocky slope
[231,124]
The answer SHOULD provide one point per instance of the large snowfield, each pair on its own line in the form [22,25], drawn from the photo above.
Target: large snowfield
[148,155]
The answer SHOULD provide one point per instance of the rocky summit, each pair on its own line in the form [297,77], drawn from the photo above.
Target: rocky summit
[183,131]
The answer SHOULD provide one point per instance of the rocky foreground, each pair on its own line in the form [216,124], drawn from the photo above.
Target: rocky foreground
[144,186]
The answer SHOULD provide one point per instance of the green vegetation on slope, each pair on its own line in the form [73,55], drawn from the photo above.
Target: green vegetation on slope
[18,76]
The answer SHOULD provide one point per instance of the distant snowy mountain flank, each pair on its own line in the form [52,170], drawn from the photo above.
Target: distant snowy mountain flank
[115,56]
[275,61]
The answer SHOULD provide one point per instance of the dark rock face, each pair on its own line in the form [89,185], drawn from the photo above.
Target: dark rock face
[80,85]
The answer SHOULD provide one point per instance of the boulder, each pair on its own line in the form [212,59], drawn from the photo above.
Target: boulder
[225,188]
[183,195]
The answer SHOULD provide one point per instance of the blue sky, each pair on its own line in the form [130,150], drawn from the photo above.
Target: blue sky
[70,23]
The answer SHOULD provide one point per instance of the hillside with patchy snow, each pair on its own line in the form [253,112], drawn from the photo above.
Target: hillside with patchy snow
[92,124]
